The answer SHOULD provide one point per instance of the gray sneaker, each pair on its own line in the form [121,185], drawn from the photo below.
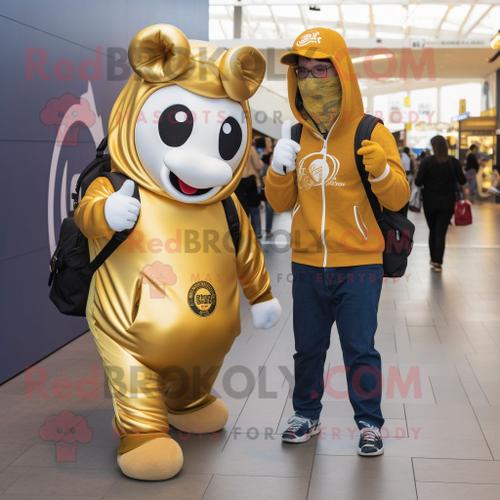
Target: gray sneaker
[300,429]
[370,442]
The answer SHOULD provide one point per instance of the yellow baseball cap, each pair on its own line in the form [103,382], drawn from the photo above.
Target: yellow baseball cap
[314,43]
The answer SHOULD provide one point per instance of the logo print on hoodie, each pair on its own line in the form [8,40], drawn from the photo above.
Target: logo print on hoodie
[313,168]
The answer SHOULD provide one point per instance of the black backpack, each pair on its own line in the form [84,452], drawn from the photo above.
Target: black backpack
[396,229]
[70,267]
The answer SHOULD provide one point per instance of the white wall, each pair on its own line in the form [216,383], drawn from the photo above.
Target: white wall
[269,110]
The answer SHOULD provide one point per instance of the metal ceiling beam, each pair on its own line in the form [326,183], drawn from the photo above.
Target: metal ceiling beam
[344,2]
[443,20]
[303,17]
[221,24]
[237,21]
[466,18]
[406,24]
[478,20]
[365,43]
[341,20]
[371,28]
[381,88]
[273,17]
[250,23]
[381,28]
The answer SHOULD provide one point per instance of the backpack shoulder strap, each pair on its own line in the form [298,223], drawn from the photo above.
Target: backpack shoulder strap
[233,221]
[117,179]
[364,131]
[296,132]
[98,158]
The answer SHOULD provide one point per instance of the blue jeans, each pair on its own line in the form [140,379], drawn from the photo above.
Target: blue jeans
[471,176]
[255,220]
[349,296]
[269,217]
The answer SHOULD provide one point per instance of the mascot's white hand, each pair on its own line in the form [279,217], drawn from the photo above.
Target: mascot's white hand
[121,208]
[285,151]
[266,314]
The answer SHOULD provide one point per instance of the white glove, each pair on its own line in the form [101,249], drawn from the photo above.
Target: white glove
[285,151]
[266,314]
[121,208]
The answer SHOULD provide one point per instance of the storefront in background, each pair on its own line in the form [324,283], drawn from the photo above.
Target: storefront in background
[480,130]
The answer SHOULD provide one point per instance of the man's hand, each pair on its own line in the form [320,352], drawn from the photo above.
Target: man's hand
[374,157]
[121,208]
[285,151]
[266,314]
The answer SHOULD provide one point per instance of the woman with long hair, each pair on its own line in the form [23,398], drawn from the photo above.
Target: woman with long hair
[439,175]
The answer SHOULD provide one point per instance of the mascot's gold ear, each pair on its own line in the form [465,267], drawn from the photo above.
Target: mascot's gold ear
[242,71]
[159,53]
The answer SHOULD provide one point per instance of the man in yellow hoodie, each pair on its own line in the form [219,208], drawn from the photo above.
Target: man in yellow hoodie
[337,244]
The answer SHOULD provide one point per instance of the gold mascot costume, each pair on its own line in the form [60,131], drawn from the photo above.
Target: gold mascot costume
[164,307]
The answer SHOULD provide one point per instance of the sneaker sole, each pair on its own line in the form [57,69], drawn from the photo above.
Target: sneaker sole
[374,454]
[302,439]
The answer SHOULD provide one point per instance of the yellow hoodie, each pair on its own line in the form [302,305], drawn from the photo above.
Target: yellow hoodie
[332,221]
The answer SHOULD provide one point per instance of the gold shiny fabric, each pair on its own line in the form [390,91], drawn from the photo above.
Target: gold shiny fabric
[208,74]
[164,307]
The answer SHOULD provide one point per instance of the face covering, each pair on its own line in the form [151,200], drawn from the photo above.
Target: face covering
[322,98]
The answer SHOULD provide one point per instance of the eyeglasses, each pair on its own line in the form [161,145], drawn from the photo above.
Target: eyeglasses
[316,72]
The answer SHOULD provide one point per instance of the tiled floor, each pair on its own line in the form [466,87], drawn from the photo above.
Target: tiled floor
[440,340]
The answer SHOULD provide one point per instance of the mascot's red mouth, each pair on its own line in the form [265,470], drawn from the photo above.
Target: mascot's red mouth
[184,188]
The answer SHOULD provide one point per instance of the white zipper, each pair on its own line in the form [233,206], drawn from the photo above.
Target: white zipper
[323,194]
[323,205]
[295,209]
[359,221]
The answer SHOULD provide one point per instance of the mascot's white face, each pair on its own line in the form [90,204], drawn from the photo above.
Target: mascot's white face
[189,144]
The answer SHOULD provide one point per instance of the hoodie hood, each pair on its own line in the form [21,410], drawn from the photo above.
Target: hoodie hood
[324,43]
[161,56]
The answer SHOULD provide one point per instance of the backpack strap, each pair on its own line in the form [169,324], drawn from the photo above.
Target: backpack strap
[296,132]
[99,153]
[364,131]
[102,147]
[117,179]
[233,221]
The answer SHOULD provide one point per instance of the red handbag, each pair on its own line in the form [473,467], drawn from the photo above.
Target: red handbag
[463,213]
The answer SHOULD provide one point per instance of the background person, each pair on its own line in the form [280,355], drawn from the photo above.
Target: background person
[264,146]
[420,158]
[407,162]
[471,170]
[438,175]
[495,181]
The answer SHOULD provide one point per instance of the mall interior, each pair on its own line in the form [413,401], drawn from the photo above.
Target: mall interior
[425,68]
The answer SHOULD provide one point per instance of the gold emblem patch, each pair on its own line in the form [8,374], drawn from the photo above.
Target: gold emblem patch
[202,298]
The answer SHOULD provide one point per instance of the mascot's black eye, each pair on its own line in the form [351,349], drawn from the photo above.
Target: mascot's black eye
[229,138]
[175,125]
